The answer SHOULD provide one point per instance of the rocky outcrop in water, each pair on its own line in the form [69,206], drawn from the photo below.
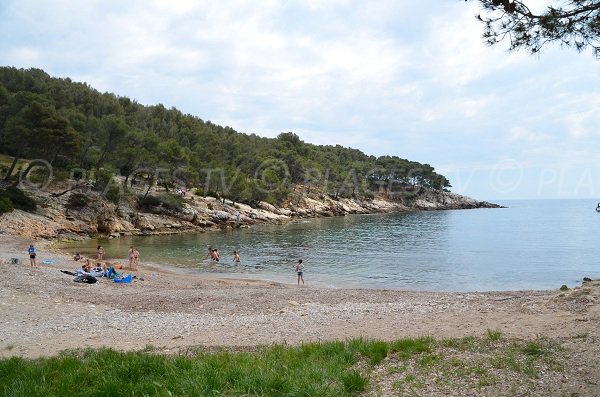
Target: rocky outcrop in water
[55,217]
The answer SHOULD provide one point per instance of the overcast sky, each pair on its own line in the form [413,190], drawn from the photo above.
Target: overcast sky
[399,77]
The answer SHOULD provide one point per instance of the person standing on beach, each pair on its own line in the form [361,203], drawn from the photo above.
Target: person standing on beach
[300,271]
[136,258]
[237,217]
[236,258]
[131,257]
[32,254]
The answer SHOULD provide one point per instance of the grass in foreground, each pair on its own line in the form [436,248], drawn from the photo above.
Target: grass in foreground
[315,369]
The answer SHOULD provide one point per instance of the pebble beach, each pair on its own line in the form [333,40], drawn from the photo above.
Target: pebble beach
[44,312]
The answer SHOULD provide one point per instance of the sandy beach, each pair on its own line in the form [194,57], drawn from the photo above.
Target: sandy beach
[43,312]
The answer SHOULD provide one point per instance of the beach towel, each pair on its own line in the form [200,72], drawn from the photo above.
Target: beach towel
[48,262]
[127,279]
[84,278]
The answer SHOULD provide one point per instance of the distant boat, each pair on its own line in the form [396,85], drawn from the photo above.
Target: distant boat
[598,208]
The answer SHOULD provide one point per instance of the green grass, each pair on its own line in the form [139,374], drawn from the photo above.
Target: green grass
[318,369]
[412,367]
[494,335]
[475,366]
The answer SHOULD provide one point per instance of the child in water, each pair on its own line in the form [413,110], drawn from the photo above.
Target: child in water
[300,271]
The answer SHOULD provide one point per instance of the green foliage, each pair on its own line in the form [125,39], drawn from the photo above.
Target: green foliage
[78,200]
[318,369]
[19,199]
[494,335]
[113,194]
[5,205]
[465,366]
[376,351]
[149,201]
[571,24]
[168,201]
[104,178]
[354,382]
[72,125]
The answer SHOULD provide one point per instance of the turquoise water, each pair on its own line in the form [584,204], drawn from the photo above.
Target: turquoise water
[533,244]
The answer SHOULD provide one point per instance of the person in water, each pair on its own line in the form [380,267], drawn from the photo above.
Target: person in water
[300,271]
[236,258]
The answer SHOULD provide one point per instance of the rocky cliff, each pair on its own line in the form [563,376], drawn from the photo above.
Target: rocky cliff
[57,217]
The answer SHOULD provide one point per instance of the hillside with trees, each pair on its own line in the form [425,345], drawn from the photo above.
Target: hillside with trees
[72,126]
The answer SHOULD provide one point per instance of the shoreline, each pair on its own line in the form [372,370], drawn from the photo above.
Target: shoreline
[43,313]
[226,271]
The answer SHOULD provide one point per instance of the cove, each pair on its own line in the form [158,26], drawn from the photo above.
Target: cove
[531,245]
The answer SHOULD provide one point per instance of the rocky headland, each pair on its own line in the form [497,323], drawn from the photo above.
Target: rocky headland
[57,217]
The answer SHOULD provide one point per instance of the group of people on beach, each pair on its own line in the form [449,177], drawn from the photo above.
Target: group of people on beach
[99,269]
[102,268]
[133,255]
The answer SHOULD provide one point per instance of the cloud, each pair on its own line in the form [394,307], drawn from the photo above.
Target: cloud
[411,79]
[522,134]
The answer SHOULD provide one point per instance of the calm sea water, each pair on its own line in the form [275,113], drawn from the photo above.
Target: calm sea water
[533,244]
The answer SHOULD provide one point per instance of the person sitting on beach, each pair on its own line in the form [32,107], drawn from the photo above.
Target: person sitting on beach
[77,257]
[86,268]
[109,271]
[236,258]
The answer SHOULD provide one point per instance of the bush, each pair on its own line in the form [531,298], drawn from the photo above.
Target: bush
[148,201]
[171,201]
[78,200]
[103,178]
[113,194]
[199,191]
[5,205]
[168,201]
[19,199]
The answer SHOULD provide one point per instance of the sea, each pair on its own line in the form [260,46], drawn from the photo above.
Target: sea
[529,245]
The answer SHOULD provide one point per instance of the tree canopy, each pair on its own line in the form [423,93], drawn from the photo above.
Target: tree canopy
[570,23]
[73,126]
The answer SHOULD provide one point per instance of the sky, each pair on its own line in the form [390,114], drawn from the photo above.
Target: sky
[406,78]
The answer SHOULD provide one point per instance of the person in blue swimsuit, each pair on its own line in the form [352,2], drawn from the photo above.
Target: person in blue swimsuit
[32,254]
